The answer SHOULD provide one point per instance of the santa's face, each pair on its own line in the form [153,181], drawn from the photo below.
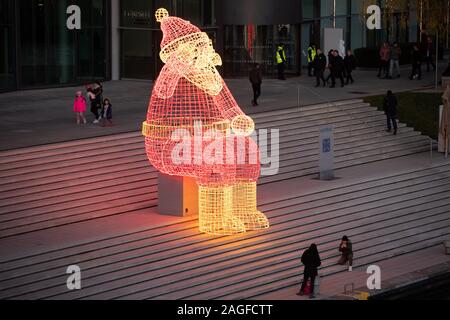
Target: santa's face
[202,60]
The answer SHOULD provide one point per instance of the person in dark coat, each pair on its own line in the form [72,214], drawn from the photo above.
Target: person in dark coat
[429,54]
[107,113]
[320,64]
[255,77]
[416,61]
[330,67]
[337,67]
[311,261]
[350,65]
[390,108]
[95,105]
[345,247]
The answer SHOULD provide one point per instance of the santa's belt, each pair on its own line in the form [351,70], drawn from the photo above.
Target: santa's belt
[164,131]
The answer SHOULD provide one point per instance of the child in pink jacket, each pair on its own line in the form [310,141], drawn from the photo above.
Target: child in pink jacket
[79,107]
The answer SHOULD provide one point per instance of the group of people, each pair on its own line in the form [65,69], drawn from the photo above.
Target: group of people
[390,55]
[311,260]
[339,67]
[100,108]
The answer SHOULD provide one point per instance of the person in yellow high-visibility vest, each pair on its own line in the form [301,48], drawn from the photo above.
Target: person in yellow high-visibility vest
[280,58]
[312,52]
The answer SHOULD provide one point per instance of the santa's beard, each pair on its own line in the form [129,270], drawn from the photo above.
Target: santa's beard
[207,79]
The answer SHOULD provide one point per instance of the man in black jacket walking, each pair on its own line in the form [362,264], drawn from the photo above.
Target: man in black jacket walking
[416,60]
[337,69]
[255,78]
[350,65]
[390,108]
[320,64]
[311,261]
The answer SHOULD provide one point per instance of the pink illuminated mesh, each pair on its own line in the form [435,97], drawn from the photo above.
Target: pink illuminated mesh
[191,101]
[175,28]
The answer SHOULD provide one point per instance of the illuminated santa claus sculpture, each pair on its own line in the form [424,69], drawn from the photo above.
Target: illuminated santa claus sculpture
[195,128]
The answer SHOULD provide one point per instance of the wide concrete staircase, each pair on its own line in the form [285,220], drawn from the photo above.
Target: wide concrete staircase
[49,186]
[59,184]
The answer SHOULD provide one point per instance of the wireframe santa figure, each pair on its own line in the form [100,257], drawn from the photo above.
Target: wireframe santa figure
[189,97]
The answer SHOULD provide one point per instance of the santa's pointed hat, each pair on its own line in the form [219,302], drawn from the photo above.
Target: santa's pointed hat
[176,32]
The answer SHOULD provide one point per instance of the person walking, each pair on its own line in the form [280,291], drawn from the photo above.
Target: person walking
[311,261]
[337,67]
[396,53]
[312,52]
[281,61]
[430,51]
[416,61]
[79,107]
[255,77]
[385,53]
[97,89]
[95,105]
[320,64]
[390,109]
[346,249]
[350,65]
[329,66]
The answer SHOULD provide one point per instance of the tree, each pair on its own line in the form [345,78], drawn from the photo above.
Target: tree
[432,15]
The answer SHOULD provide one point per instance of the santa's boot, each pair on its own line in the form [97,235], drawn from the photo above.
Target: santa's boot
[244,206]
[216,212]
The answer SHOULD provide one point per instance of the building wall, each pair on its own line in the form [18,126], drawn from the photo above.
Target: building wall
[250,30]
[40,51]
[121,37]
[7,46]
[140,34]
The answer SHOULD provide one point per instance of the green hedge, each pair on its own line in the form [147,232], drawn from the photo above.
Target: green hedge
[418,110]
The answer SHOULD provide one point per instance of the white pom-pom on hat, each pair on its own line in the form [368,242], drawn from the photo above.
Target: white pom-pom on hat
[161,13]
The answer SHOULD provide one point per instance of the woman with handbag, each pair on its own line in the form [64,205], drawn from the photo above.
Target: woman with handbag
[311,261]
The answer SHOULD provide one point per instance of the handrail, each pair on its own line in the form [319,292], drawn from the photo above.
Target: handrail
[432,142]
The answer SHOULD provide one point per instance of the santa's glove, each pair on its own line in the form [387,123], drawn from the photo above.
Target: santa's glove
[243,125]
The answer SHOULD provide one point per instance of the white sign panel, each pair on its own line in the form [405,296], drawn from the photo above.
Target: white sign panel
[334,40]
[326,158]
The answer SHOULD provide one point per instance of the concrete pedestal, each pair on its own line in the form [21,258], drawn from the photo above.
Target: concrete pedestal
[177,196]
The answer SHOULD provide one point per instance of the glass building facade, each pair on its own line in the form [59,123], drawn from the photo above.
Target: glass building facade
[256,42]
[120,39]
[141,35]
[38,50]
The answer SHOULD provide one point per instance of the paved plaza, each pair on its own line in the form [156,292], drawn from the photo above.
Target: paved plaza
[45,116]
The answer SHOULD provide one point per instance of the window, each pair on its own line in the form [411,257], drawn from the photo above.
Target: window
[50,54]
[7,63]
[245,44]
[308,9]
